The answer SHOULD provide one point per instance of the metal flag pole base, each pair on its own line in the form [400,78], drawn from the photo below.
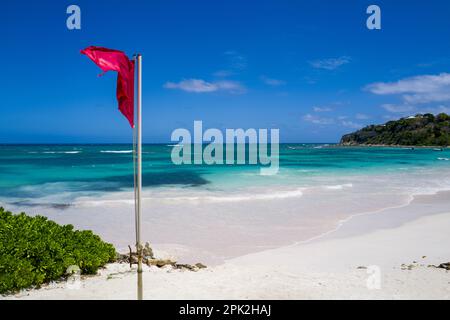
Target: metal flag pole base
[140,293]
[138,177]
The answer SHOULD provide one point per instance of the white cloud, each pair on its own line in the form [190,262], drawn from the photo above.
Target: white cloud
[397,108]
[322,109]
[192,85]
[351,124]
[236,60]
[331,63]
[317,120]
[362,116]
[202,86]
[413,109]
[230,86]
[427,97]
[272,82]
[341,120]
[435,110]
[416,90]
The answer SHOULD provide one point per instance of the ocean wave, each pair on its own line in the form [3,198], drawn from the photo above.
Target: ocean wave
[97,203]
[339,186]
[444,159]
[250,197]
[196,198]
[116,151]
[66,152]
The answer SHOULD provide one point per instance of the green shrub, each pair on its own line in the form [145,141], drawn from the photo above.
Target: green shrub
[423,130]
[35,250]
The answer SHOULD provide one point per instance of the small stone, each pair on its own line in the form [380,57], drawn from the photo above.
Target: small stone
[445,266]
[159,263]
[185,266]
[200,265]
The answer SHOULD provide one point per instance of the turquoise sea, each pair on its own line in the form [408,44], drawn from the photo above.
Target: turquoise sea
[32,172]
[214,212]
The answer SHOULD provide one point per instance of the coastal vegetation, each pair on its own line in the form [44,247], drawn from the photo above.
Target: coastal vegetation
[419,130]
[35,250]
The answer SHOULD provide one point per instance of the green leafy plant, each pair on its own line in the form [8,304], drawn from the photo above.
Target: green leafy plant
[420,130]
[35,250]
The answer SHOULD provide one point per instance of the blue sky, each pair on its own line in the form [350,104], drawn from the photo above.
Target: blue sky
[310,68]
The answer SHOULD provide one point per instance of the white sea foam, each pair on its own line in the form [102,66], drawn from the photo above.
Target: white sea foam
[444,159]
[246,197]
[100,203]
[116,151]
[66,152]
[241,218]
[339,186]
[127,199]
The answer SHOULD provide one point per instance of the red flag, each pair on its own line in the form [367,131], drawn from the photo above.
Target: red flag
[115,60]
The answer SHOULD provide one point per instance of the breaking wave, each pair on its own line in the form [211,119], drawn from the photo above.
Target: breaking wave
[116,151]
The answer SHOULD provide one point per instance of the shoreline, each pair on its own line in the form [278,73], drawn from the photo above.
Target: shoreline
[390,146]
[342,223]
[192,254]
[337,260]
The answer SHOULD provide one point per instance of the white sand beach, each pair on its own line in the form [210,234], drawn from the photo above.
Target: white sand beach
[288,150]
[384,255]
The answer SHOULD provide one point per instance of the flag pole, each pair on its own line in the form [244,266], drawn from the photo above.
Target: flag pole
[139,176]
